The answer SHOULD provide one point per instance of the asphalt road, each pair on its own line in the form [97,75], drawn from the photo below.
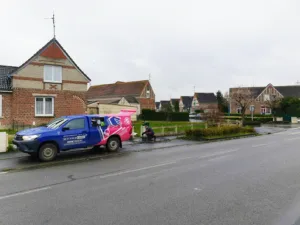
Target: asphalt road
[246,181]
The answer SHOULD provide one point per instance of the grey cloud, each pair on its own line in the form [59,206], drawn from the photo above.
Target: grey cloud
[210,44]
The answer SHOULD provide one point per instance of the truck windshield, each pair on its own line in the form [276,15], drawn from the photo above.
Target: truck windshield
[56,123]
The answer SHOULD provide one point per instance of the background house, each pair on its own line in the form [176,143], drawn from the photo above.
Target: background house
[185,103]
[204,101]
[48,85]
[261,95]
[157,106]
[164,105]
[109,108]
[173,102]
[135,93]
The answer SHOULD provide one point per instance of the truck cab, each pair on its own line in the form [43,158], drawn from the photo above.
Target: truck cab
[75,132]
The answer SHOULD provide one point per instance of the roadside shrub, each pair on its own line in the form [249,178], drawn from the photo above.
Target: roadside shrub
[10,148]
[179,116]
[247,115]
[259,119]
[218,131]
[9,131]
[152,115]
[251,123]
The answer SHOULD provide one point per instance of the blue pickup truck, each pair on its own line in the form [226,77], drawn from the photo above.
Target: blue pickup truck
[75,132]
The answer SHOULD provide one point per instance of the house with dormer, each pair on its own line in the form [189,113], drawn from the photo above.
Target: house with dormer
[261,95]
[185,103]
[206,102]
[173,102]
[47,85]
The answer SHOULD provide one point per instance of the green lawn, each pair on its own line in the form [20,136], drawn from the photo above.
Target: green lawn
[167,127]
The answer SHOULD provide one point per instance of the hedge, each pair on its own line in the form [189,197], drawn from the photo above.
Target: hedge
[218,131]
[247,115]
[259,119]
[251,123]
[151,115]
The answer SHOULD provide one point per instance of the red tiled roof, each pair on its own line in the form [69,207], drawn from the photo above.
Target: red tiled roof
[120,89]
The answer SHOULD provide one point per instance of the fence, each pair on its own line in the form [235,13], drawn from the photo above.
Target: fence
[17,126]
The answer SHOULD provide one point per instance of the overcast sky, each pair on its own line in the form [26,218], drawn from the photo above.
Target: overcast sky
[212,44]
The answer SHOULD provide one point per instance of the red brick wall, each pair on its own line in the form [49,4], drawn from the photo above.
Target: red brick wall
[6,119]
[65,103]
[257,106]
[147,103]
[206,106]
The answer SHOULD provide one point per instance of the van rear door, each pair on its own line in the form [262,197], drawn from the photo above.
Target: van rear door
[96,133]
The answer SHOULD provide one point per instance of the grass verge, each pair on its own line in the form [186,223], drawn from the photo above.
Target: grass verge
[169,127]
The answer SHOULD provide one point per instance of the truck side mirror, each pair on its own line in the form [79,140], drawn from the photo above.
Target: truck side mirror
[65,128]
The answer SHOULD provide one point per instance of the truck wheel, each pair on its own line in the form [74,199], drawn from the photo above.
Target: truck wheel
[47,152]
[113,144]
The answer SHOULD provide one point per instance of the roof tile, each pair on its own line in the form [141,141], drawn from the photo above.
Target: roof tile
[121,89]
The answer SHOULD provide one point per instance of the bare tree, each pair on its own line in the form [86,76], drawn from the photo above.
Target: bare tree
[242,98]
[213,117]
[273,103]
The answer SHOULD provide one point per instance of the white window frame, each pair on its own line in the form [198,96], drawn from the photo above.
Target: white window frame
[239,109]
[44,106]
[148,94]
[266,97]
[52,67]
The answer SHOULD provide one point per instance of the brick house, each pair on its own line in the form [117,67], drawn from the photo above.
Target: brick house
[185,103]
[135,92]
[263,94]
[204,101]
[47,85]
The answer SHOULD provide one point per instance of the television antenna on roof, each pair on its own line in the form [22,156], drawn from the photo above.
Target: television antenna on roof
[53,21]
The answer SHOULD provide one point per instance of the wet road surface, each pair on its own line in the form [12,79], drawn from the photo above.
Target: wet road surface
[246,181]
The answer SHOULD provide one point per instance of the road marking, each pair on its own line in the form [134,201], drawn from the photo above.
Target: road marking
[208,156]
[295,133]
[2,173]
[24,193]
[260,145]
[290,139]
[163,164]
[197,189]
[135,170]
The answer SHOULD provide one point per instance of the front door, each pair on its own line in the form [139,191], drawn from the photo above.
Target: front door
[75,134]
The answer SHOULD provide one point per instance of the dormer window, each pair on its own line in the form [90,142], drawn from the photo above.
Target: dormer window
[52,74]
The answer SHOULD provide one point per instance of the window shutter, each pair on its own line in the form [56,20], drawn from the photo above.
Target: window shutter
[1,106]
